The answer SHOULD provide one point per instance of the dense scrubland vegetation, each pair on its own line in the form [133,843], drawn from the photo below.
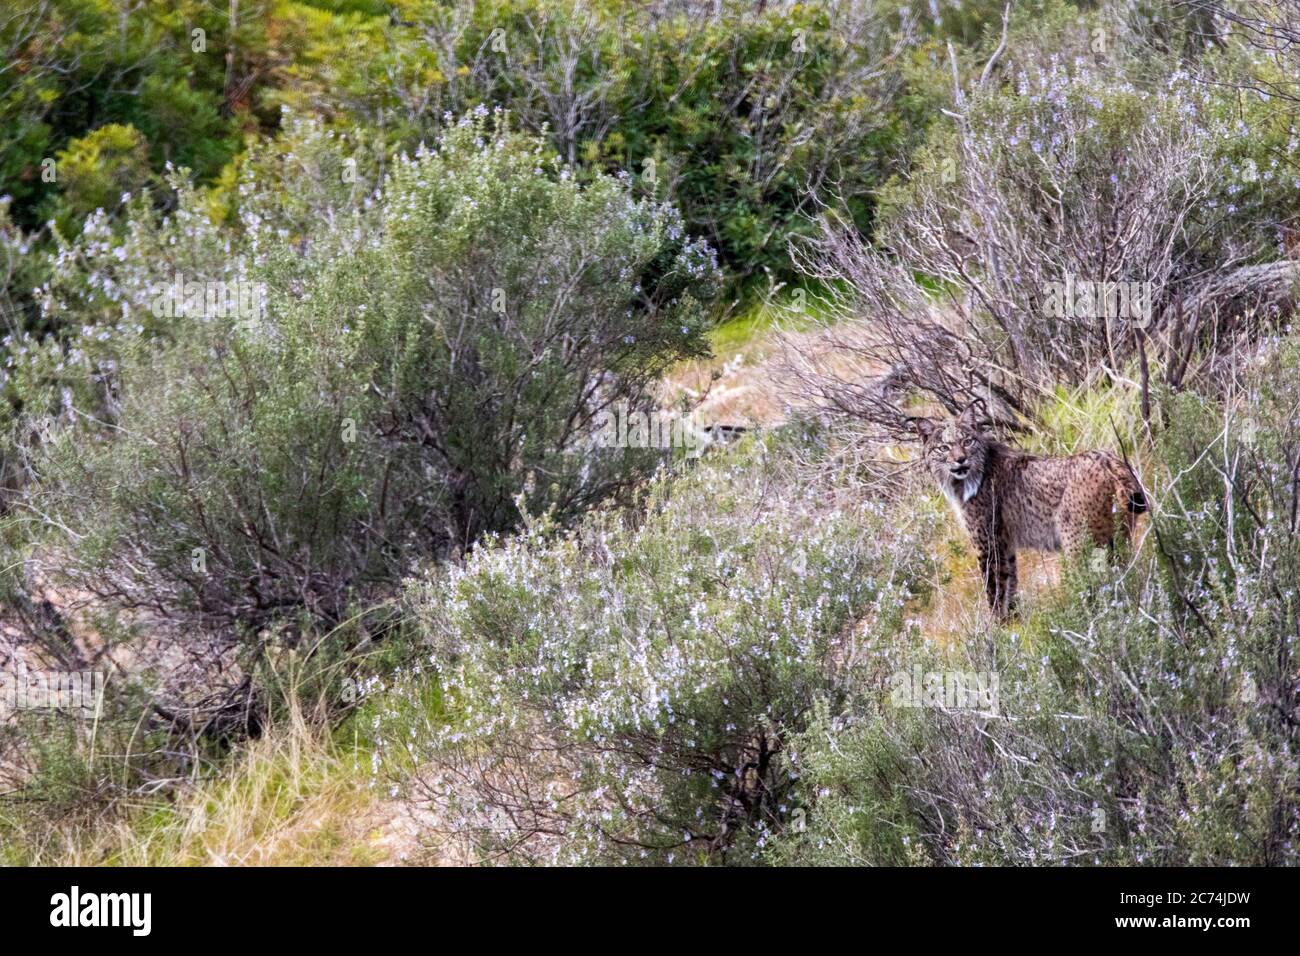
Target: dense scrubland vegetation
[342,538]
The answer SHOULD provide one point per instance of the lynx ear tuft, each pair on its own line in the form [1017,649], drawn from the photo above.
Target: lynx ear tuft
[976,415]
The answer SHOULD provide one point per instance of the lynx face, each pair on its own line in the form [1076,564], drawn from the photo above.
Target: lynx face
[956,454]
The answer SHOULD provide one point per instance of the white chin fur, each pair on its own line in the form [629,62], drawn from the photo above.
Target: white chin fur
[959,492]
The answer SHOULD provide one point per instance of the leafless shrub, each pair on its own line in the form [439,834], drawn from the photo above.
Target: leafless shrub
[1072,177]
[891,326]
[1269,27]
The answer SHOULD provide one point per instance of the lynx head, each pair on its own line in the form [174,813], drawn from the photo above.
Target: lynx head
[956,450]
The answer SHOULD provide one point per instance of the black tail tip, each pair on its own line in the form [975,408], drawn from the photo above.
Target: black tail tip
[1137,502]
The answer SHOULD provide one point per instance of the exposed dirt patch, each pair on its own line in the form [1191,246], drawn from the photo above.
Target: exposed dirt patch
[759,384]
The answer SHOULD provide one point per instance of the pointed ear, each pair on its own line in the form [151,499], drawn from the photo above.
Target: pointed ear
[924,427]
[975,415]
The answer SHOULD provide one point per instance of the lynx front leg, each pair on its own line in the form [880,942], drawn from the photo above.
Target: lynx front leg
[998,566]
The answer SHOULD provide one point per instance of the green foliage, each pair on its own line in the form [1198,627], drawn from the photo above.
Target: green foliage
[61,768]
[99,171]
[75,66]
[440,373]
[737,119]
[581,662]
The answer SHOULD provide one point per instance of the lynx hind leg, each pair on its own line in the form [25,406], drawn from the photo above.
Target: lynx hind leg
[1129,524]
[1111,523]
[1088,520]
[1072,533]
[1104,528]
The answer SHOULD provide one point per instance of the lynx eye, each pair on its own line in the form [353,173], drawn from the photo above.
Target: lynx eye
[943,446]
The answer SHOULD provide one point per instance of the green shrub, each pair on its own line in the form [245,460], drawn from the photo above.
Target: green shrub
[428,364]
[98,171]
[738,116]
[79,66]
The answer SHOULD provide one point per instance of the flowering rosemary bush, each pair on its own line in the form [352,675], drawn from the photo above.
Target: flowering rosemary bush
[628,691]
[426,368]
